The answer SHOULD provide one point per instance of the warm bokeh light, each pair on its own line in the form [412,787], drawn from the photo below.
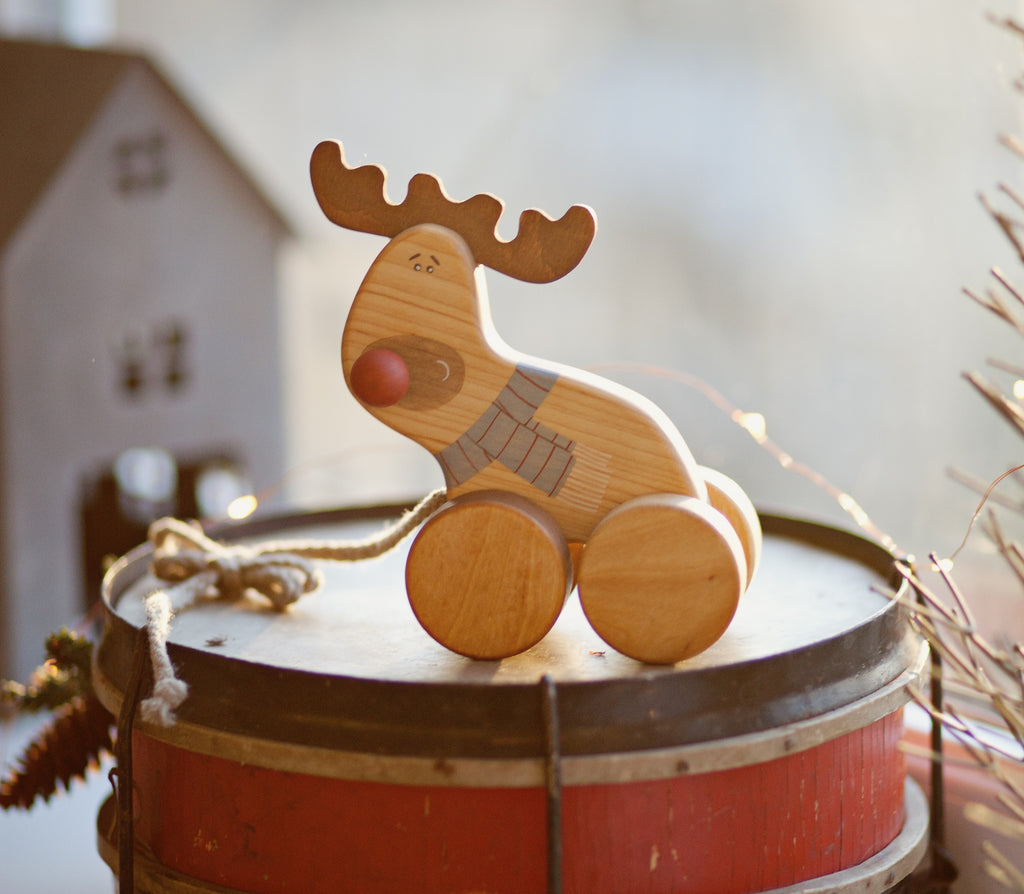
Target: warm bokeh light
[753,423]
[242,507]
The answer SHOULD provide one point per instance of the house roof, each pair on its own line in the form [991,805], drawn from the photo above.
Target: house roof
[49,93]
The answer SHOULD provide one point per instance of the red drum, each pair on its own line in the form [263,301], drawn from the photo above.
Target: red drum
[337,747]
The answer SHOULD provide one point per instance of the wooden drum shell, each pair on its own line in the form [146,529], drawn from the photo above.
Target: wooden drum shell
[740,771]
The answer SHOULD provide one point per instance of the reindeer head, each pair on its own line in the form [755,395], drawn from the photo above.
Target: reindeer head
[419,332]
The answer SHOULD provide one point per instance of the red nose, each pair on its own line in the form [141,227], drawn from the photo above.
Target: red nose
[379,378]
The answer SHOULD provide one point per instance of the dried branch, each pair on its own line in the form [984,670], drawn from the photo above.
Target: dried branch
[1006,223]
[1008,549]
[994,303]
[991,302]
[984,816]
[1005,366]
[1009,409]
[1006,22]
[1011,142]
[976,671]
[981,487]
[1001,869]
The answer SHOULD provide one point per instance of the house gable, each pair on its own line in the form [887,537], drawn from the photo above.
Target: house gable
[49,94]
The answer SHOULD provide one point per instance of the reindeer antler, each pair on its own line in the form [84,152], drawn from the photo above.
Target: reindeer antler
[355,198]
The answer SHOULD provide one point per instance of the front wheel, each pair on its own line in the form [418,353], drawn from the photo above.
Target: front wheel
[488,574]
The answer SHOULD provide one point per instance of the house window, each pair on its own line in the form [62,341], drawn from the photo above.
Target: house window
[171,344]
[154,359]
[140,164]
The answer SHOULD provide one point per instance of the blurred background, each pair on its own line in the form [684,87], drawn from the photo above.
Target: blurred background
[787,197]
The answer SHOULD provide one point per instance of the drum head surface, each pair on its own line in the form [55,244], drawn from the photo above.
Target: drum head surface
[349,668]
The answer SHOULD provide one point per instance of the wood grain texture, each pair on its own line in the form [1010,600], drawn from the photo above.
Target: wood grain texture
[661,577]
[488,574]
[732,501]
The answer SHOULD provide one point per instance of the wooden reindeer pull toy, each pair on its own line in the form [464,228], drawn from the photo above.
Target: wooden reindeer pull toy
[543,463]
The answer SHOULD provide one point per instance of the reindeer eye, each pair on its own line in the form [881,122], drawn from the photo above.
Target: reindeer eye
[418,266]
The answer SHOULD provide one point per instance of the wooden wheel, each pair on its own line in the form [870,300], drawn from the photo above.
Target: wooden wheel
[732,501]
[661,577]
[488,574]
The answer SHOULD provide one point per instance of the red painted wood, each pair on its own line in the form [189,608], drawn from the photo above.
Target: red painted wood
[744,829]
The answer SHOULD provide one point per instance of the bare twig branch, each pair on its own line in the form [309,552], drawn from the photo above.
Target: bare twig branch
[1011,142]
[1001,868]
[1006,22]
[1004,280]
[1006,223]
[1007,191]
[1012,368]
[1009,409]
[981,487]
[990,301]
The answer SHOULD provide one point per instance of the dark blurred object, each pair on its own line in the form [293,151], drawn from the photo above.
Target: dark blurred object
[143,484]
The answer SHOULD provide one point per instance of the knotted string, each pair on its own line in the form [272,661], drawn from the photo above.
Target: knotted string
[195,567]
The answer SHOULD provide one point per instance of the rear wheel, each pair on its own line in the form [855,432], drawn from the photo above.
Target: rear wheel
[661,577]
[732,501]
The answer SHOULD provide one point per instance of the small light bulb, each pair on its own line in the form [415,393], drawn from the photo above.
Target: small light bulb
[753,423]
[242,507]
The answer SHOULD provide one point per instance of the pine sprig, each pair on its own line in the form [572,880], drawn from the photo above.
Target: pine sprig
[79,733]
[65,675]
[70,745]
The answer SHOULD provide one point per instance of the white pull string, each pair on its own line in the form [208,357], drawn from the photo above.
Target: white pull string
[197,567]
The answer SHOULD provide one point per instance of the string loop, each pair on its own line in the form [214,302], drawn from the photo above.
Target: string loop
[196,567]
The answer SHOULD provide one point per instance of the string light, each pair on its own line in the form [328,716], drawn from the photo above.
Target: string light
[754,423]
[242,507]
[756,426]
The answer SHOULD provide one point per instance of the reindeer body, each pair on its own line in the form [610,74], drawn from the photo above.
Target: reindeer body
[536,456]
[610,443]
